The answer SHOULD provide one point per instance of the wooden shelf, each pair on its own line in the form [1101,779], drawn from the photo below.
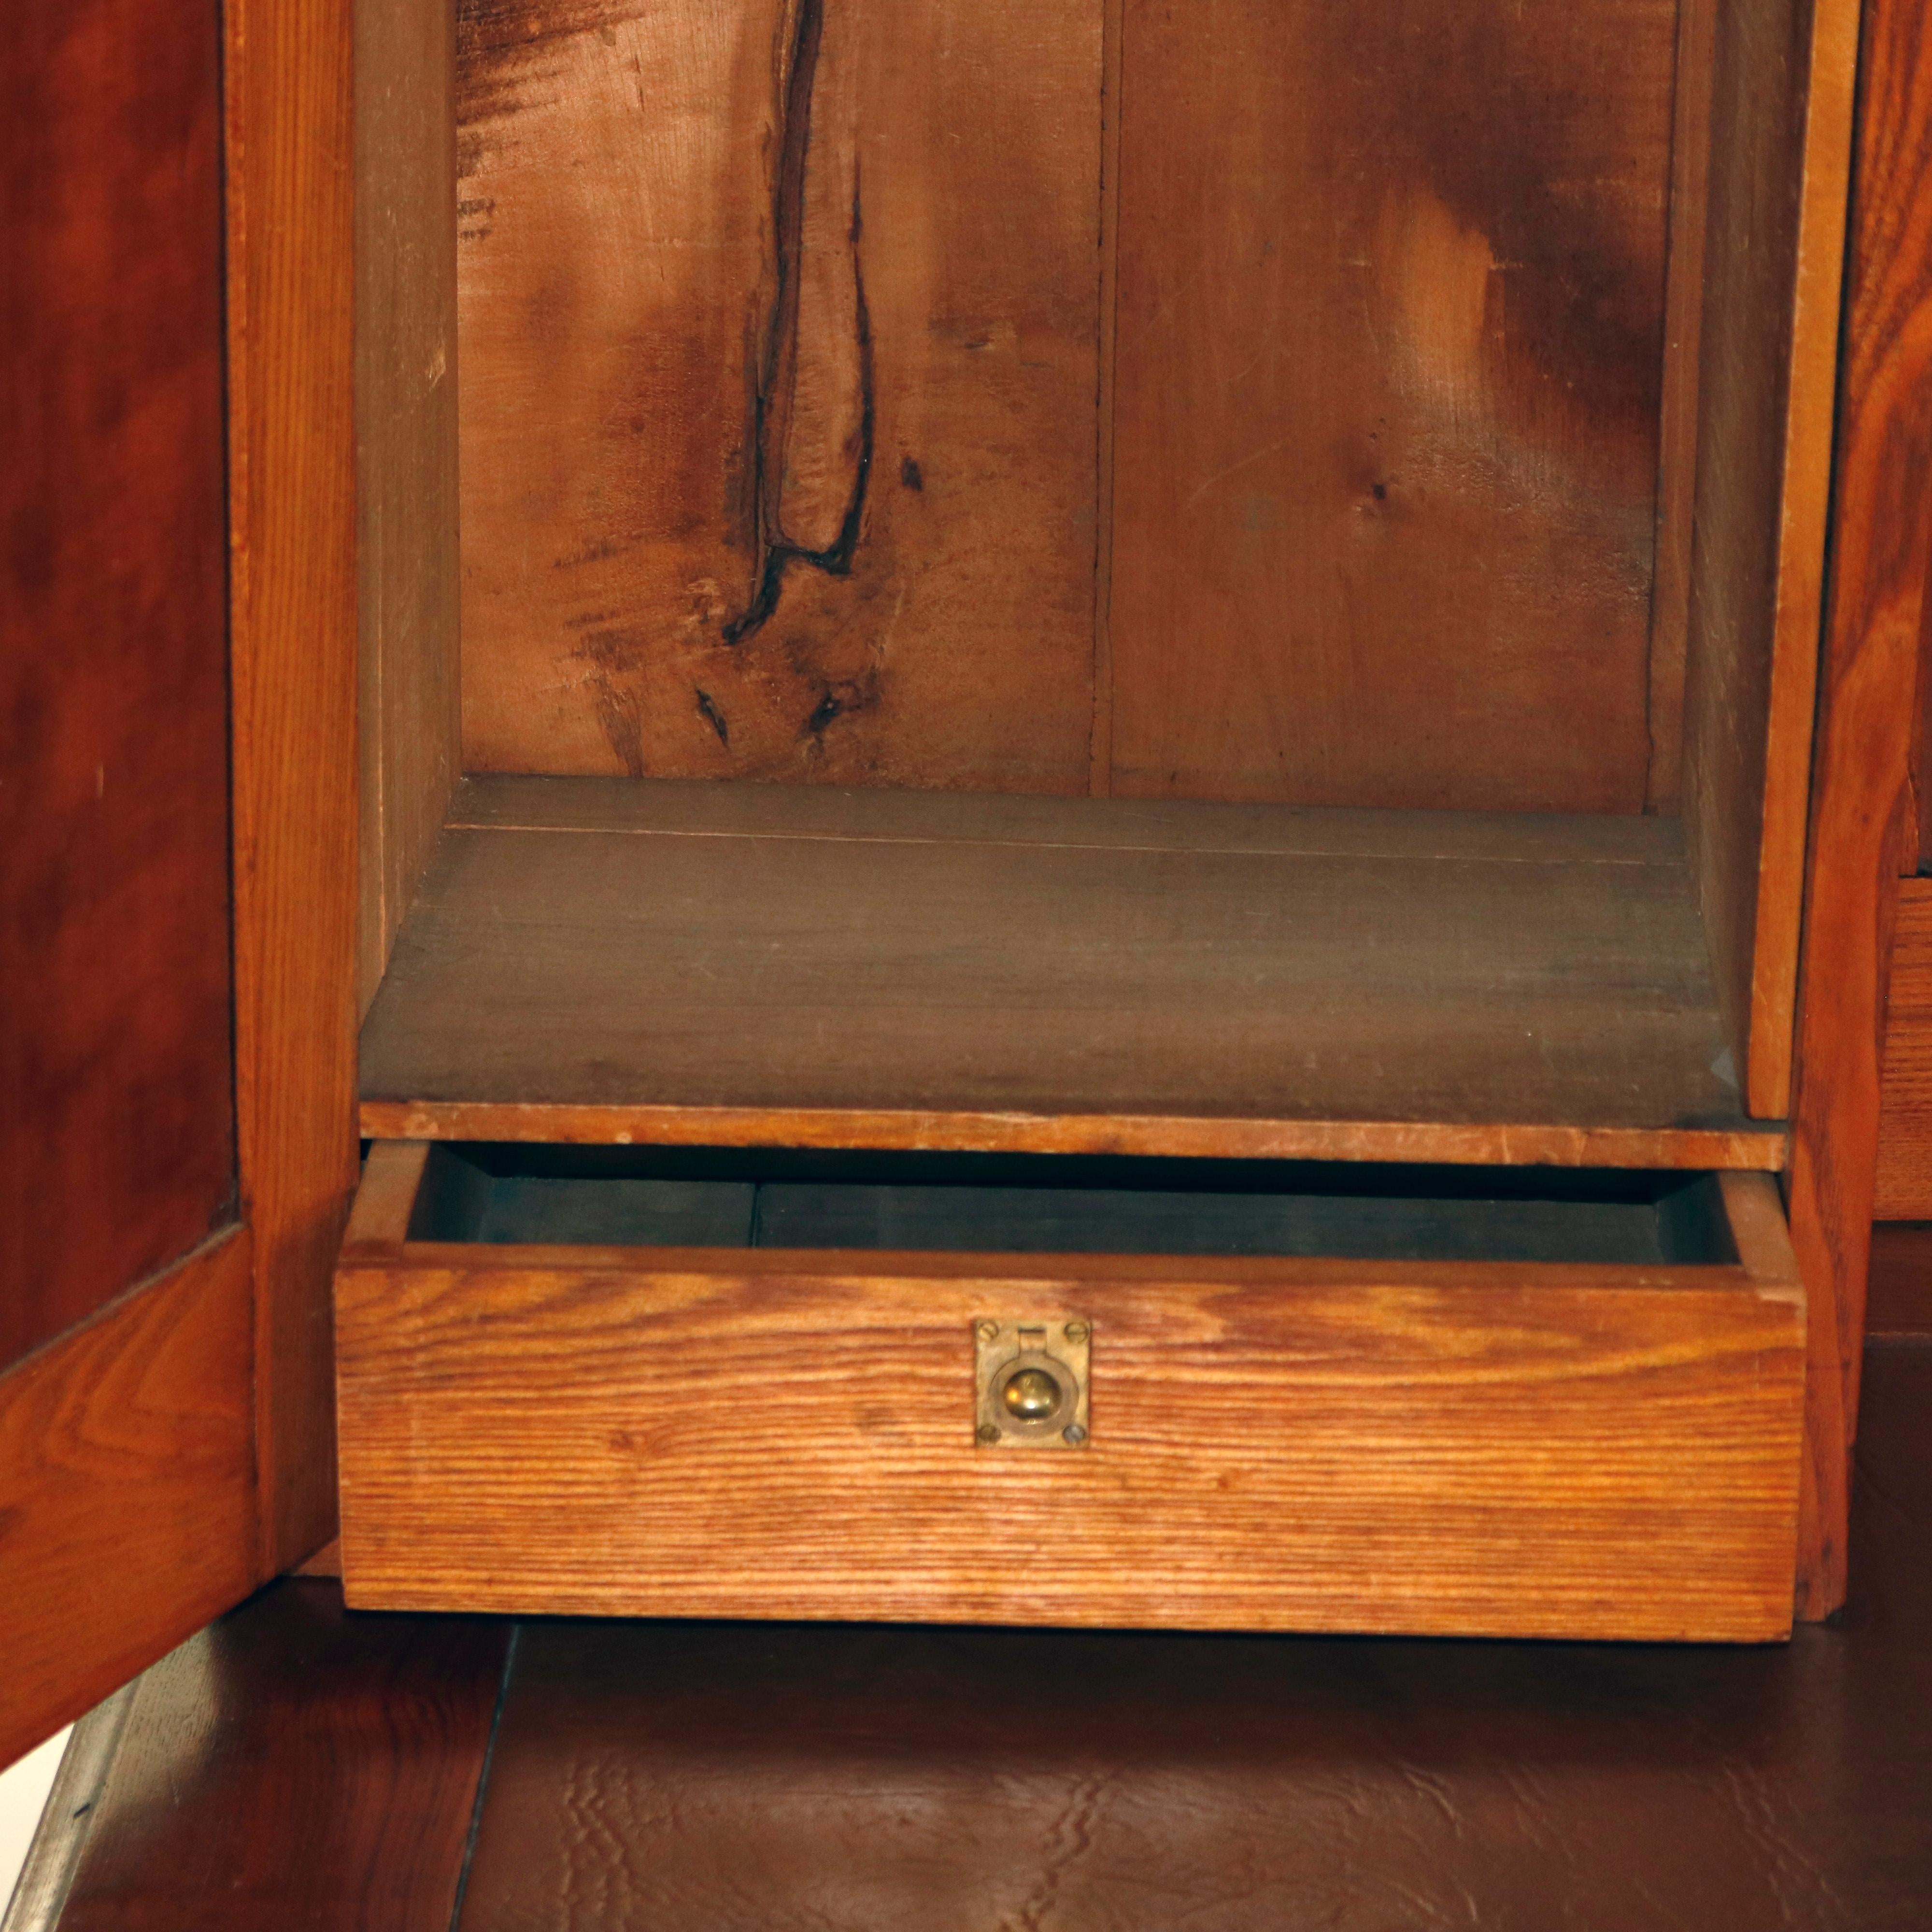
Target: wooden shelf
[733,963]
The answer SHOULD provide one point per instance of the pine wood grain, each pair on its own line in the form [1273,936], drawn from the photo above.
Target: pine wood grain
[290,182]
[1389,353]
[1535,1449]
[1781,148]
[1902,1186]
[409,705]
[127,1488]
[780,333]
[1863,818]
[928,957]
[294,1766]
[117,1118]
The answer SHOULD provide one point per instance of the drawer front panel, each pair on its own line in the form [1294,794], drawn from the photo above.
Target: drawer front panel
[1557,1450]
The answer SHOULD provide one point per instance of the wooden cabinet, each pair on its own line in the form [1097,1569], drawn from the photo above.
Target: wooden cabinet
[1141,583]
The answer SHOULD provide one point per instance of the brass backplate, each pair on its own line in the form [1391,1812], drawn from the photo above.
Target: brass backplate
[1031,1378]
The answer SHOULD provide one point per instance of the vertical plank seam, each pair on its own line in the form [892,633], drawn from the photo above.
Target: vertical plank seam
[1100,753]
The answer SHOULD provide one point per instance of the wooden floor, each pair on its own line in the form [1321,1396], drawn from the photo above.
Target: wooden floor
[297,1767]
[594,959]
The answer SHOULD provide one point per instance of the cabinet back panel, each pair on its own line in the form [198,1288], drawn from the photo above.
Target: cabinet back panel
[779,329]
[1388,367]
[781,343]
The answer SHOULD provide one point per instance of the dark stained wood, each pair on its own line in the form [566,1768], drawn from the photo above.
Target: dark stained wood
[708,1778]
[1545,1449]
[1863,815]
[1388,360]
[1902,1188]
[780,339]
[117,1128]
[290,183]
[1898,1300]
[127,1489]
[293,1766]
[907,955]
[410,707]
[1780,148]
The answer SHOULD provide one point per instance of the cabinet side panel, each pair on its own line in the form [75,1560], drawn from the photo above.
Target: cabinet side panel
[406,453]
[1781,153]
[117,1112]
[780,338]
[1862,826]
[1387,371]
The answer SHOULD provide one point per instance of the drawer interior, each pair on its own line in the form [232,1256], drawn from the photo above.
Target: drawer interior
[508,1194]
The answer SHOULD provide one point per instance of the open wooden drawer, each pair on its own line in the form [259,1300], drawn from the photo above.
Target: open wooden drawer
[1582,1419]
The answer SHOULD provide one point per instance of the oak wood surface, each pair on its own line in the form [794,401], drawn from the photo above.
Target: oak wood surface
[926,956]
[127,1488]
[1781,151]
[290,183]
[1863,817]
[780,333]
[409,703]
[1535,1449]
[291,1765]
[1902,1187]
[1388,371]
[117,1125]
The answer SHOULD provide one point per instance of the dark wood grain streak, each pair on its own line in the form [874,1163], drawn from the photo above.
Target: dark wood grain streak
[290,181]
[1863,820]
[127,1489]
[778,443]
[293,1766]
[117,1125]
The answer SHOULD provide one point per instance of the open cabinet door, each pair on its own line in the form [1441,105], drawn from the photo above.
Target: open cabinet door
[176,1133]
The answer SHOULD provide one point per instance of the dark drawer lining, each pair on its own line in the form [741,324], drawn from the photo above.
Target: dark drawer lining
[768,1198]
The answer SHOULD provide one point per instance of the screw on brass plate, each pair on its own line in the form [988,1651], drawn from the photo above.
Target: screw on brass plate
[1074,1433]
[1076,1331]
[987,1331]
[989,1432]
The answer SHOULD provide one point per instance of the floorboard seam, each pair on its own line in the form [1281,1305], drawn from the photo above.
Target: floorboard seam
[483,1777]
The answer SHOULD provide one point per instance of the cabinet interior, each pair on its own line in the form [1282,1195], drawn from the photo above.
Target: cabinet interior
[1221,579]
